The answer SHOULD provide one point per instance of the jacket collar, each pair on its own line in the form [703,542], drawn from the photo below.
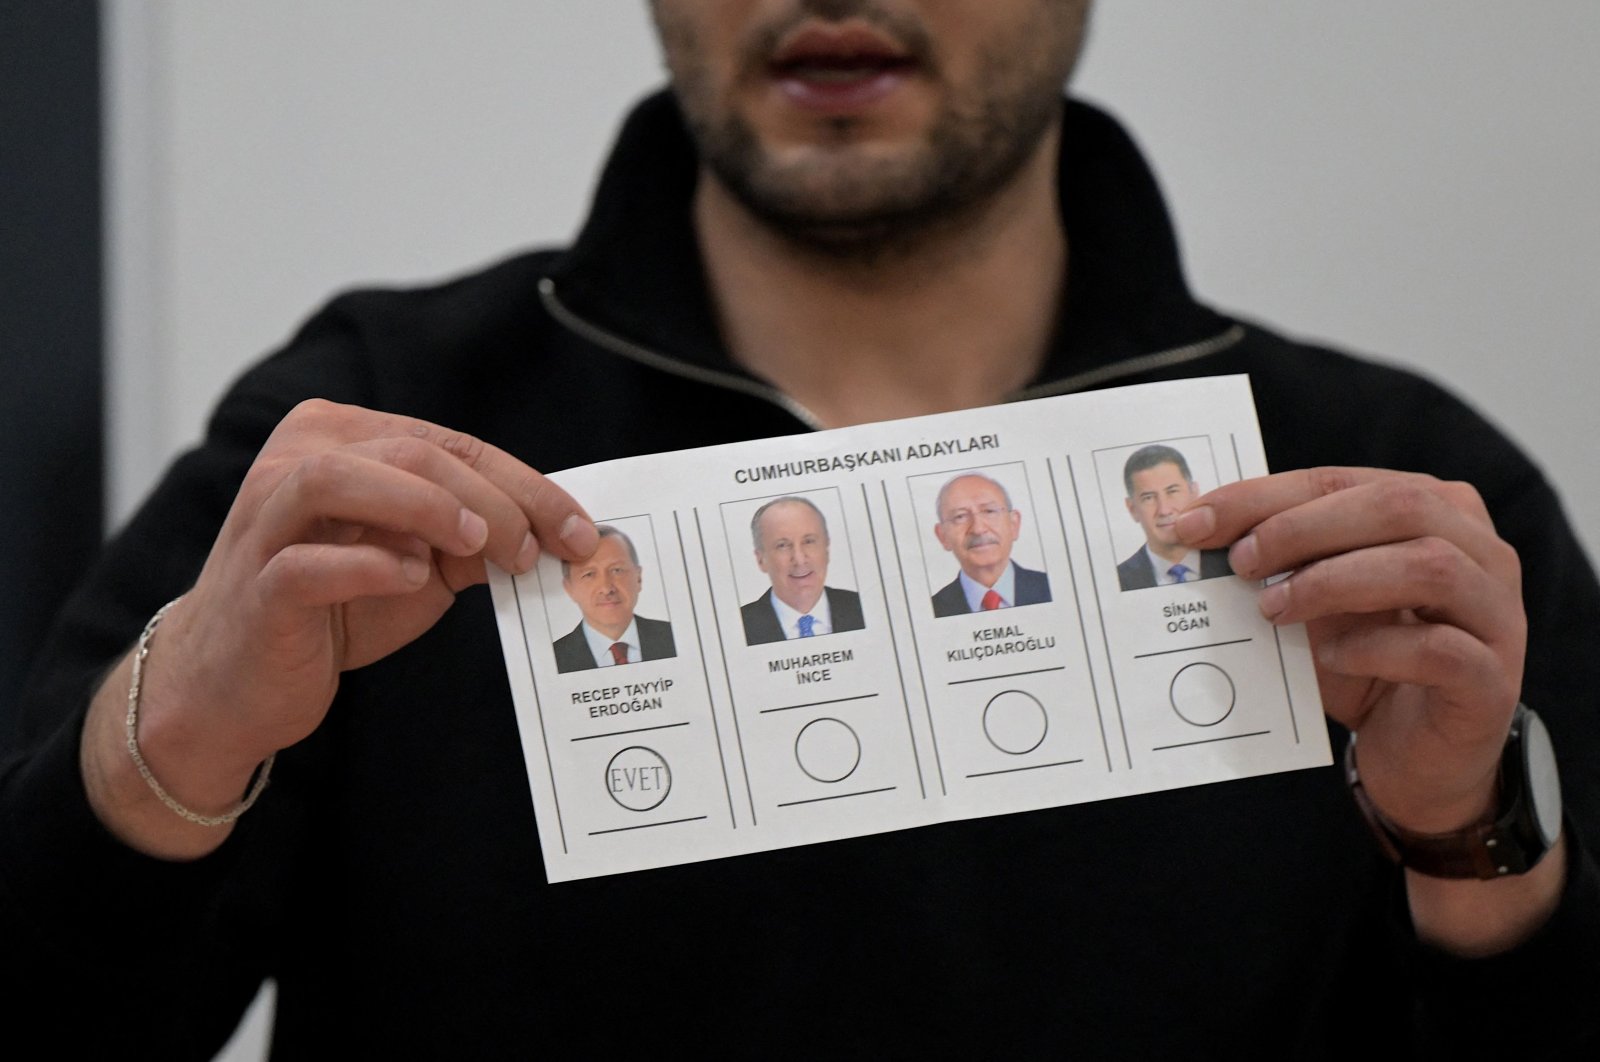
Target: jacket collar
[634,273]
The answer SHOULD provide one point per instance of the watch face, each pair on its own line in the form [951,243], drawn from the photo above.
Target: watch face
[1539,759]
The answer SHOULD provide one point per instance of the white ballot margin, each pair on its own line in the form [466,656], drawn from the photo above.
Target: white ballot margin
[726,738]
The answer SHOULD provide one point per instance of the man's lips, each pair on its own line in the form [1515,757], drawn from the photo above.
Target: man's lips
[837,46]
[838,68]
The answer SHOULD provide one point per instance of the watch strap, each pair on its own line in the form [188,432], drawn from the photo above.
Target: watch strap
[1495,846]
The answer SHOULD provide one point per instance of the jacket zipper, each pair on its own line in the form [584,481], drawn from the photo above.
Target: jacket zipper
[1133,366]
[629,349]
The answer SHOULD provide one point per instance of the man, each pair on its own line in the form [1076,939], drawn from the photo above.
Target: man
[606,588]
[1159,489]
[791,541]
[846,211]
[979,526]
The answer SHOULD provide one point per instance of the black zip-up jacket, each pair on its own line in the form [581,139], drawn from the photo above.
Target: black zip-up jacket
[390,878]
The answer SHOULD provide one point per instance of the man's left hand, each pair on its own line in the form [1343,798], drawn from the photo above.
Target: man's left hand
[1414,608]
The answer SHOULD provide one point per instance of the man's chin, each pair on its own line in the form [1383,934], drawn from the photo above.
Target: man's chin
[987,558]
[837,220]
[842,198]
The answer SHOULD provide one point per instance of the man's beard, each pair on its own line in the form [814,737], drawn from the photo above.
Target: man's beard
[846,203]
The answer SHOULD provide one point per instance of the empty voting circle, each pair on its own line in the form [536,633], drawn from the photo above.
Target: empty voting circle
[1202,694]
[638,778]
[827,750]
[1015,722]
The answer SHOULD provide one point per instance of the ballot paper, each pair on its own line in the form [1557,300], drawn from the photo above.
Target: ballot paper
[810,649]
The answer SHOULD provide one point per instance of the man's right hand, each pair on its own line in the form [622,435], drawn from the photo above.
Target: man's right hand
[351,535]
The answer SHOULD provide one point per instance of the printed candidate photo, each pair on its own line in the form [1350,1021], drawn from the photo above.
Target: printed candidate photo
[984,553]
[796,579]
[608,597]
[1152,483]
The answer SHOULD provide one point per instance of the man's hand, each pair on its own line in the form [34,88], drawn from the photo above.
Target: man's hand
[1414,608]
[350,536]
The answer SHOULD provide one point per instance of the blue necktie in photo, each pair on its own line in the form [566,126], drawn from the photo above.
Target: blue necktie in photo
[807,623]
[1179,573]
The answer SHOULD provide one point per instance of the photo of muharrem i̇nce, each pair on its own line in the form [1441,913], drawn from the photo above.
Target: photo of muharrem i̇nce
[790,536]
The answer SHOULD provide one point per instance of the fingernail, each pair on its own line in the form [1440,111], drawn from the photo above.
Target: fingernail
[527,554]
[473,528]
[415,569]
[579,535]
[1274,599]
[1197,523]
[1244,556]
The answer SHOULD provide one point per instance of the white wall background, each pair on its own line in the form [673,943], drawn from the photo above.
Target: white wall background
[1414,180]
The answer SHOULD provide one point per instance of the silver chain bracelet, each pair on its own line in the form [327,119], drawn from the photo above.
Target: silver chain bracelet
[141,651]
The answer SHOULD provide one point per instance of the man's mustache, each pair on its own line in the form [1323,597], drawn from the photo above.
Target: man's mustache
[982,538]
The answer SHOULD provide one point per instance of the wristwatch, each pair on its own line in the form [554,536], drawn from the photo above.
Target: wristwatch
[1511,839]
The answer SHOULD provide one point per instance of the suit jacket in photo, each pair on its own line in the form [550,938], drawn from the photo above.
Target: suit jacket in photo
[1032,588]
[1137,573]
[761,622]
[655,643]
